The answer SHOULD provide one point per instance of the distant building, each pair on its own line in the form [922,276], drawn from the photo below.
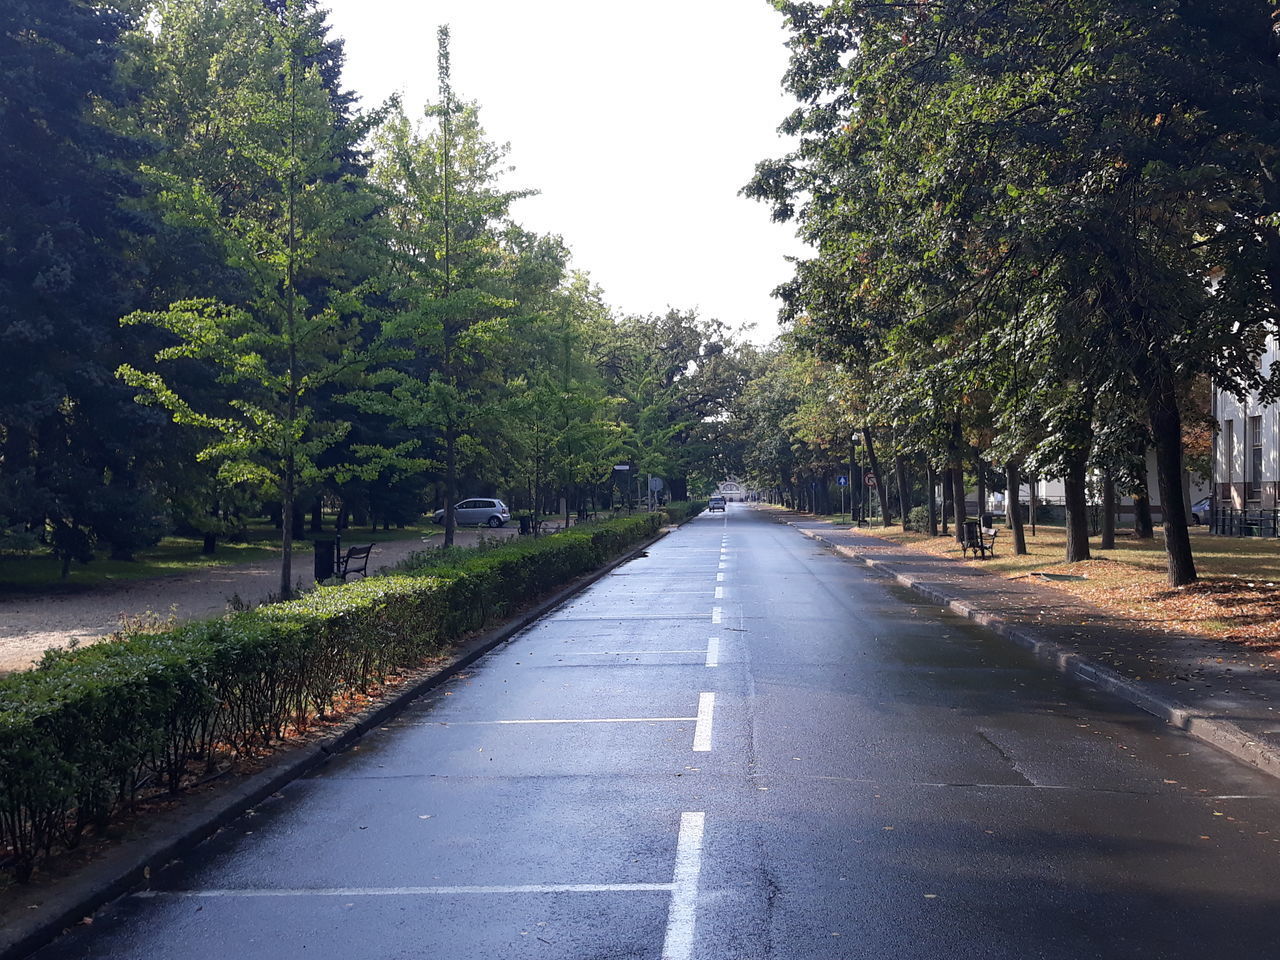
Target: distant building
[1246,450]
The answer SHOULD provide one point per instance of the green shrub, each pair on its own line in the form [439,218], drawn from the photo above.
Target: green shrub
[88,730]
[681,510]
[919,519]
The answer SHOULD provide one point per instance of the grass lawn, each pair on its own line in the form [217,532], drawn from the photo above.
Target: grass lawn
[40,572]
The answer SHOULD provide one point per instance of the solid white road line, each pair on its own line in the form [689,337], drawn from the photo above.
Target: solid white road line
[715,614]
[713,652]
[417,891]
[683,912]
[702,730]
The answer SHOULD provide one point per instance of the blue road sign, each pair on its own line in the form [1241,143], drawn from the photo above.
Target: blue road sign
[842,481]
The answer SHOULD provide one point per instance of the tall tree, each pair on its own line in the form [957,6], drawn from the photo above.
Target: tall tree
[75,452]
[449,279]
[285,215]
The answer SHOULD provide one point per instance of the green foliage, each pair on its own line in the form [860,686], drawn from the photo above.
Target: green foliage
[77,458]
[82,733]
[678,511]
[295,212]
[1033,223]
[323,307]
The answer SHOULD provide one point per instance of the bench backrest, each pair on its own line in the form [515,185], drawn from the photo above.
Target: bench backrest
[357,553]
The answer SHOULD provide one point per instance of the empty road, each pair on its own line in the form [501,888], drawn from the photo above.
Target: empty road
[738,746]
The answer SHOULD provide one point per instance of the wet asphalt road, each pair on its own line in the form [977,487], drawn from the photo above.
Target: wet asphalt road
[839,773]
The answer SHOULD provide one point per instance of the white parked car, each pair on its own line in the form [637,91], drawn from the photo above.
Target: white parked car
[481,510]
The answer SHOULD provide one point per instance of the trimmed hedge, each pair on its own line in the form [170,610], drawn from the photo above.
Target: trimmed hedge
[681,510]
[88,731]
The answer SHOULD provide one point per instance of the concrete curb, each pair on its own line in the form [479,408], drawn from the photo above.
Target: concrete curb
[1223,735]
[172,834]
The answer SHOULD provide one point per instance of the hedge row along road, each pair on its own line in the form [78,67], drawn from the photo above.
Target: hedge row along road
[738,746]
[83,734]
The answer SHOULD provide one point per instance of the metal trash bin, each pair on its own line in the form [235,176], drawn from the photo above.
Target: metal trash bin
[326,558]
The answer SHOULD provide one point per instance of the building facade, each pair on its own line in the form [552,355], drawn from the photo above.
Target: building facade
[1246,450]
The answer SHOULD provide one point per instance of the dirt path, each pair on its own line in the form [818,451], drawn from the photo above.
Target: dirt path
[30,625]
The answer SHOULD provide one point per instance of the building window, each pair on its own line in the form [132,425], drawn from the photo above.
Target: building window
[1255,458]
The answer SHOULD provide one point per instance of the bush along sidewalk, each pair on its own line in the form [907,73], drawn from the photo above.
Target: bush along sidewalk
[89,732]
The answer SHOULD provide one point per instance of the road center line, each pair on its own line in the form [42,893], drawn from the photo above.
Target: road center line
[715,614]
[719,578]
[702,729]
[417,891]
[713,652]
[719,593]
[682,914]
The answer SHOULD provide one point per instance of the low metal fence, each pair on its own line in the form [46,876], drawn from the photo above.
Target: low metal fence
[1230,522]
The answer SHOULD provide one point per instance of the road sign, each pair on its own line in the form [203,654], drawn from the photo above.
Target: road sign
[870,480]
[622,466]
[655,484]
[842,481]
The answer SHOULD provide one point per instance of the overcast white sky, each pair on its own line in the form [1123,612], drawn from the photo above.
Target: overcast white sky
[638,123]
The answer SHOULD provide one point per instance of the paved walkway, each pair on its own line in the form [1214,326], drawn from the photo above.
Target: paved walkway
[31,625]
[1224,694]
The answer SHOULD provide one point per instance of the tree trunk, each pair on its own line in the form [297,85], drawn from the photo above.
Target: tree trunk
[1166,427]
[1108,541]
[1013,508]
[1075,483]
[286,531]
[931,481]
[904,496]
[210,545]
[875,472]
[450,483]
[1143,526]
[317,515]
[946,501]
[1032,482]
[955,472]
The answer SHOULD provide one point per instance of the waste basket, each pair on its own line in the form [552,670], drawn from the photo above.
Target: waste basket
[325,559]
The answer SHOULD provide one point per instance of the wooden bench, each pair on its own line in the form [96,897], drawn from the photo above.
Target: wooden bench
[978,540]
[355,560]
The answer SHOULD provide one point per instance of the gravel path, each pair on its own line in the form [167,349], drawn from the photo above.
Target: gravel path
[31,625]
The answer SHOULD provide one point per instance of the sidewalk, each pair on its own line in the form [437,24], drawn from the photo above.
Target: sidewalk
[1222,694]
